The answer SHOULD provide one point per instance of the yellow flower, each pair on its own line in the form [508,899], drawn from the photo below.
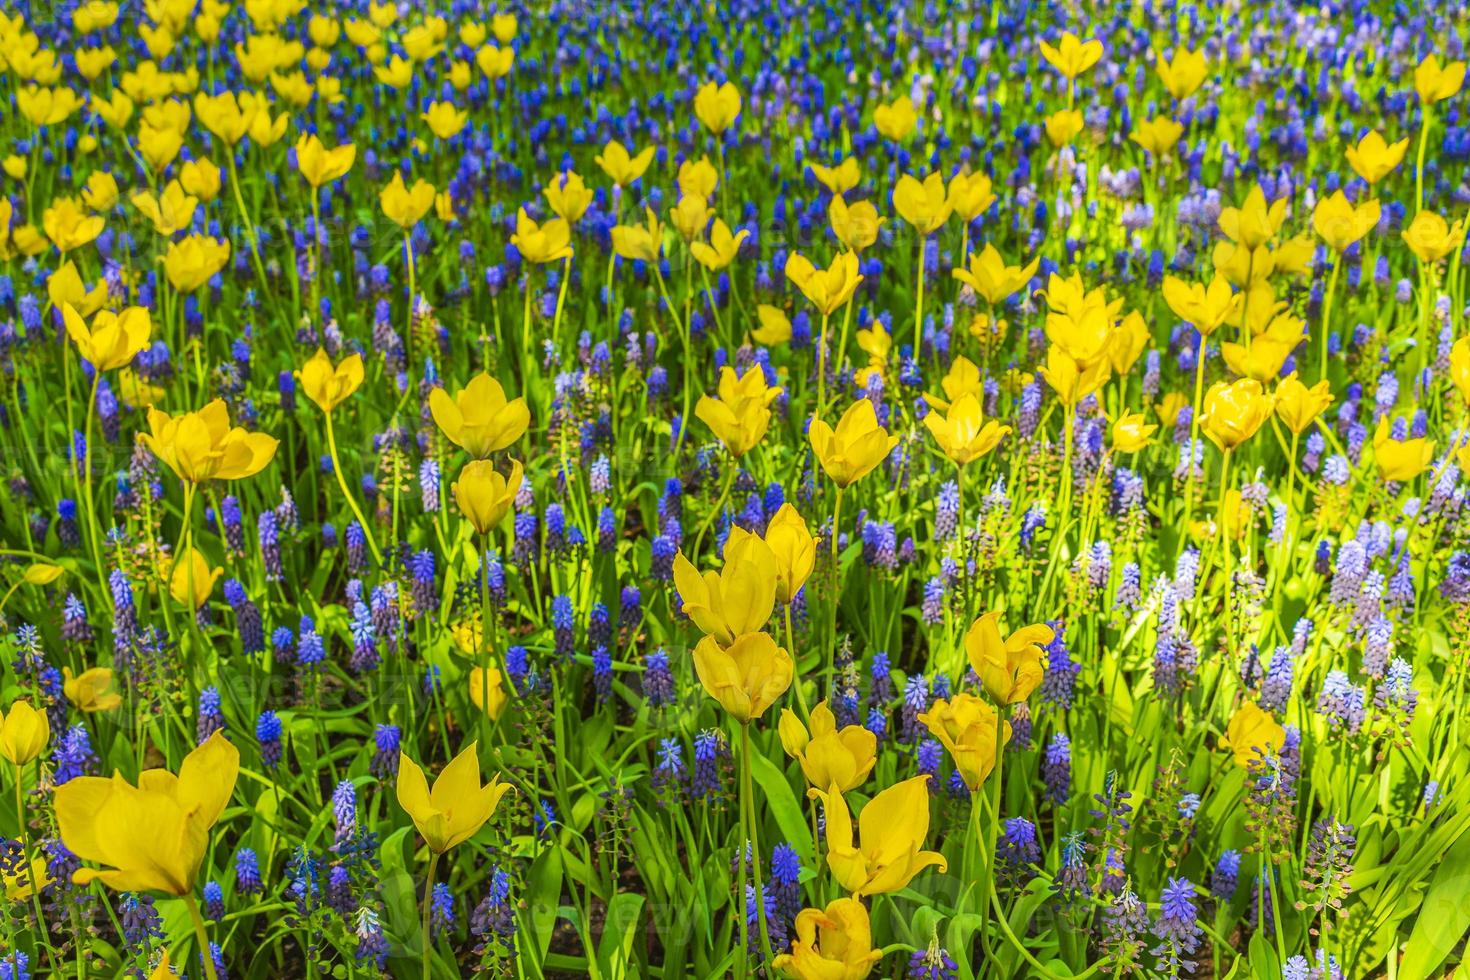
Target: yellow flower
[745,677]
[1009,668]
[15,167]
[320,165]
[170,213]
[963,433]
[93,15]
[193,261]
[190,582]
[1435,82]
[46,106]
[892,826]
[795,551]
[24,732]
[69,226]
[396,74]
[1157,136]
[970,196]
[1127,342]
[835,943]
[484,496]
[1340,222]
[639,243]
[925,205]
[698,178]
[1233,412]
[1298,406]
[113,339]
[717,106]
[1071,379]
[1183,76]
[405,207]
[829,757]
[100,194]
[487,691]
[963,378]
[479,419]
[549,242]
[1254,222]
[445,119]
[41,573]
[1251,734]
[775,326]
[504,26]
[722,247]
[1063,126]
[472,34]
[1373,158]
[990,277]
[159,147]
[92,62]
[855,447]
[224,115]
[21,882]
[1400,460]
[134,391]
[329,386]
[839,179]
[1204,307]
[1430,238]
[828,289]
[967,728]
[740,416]
[738,599]
[65,286]
[200,446]
[568,196]
[1072,56]
[495,62]
[621,168]
[201,178]
[90,691]
[1262,360]
[153,836]
[115,111]
[896,121]
[690,216]
[323,30]
[855,225]
[1131,433]
[457,807]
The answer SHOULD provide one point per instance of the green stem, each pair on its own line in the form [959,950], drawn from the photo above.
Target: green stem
[201,935]
[1199,390]
[747,800]
[428,905]
[351,500]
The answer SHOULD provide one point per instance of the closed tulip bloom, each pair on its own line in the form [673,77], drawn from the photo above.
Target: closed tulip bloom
[829,757]
[853,449]
[1252,734]
[963,432]
[487,691]
[329,386]
[1436,82]
[200,178]
[193,261]
[1262,360]
[1157,136]
[479,419]
[1205,307]
[1182,76]
[1400,460]
[698,178]
[200,446]
[1009,667]
[828,289]
[405,207]
[926,206]
[855,225]
[736,600]
[722,247]
[1374,158]
[543,243]
[445,119]
[24,732]
[640,243]
[1233,412]
[1063,126]
[1460,367]
[747,676]
[970,196]
[224,115]
[1131,433]
[495,62]
[992,279]
[774,328]
[91,690]
[153,836]
[100,194]
[1127,342]
[1071,379]
[741,414]
[457,806]
[835,943]
[717,106]
[1340,222]
[795,551]
[621,167]
[690,216]
[113,339]
[1072,56]
[1254,222]
[967,728]
[839,179]
[892,828]
[484,496]
[1431,238]
[963,378]
[1297,405]
[320,165]
[69,226]
[171,212]
[568,196]
[896,120]
[191,581]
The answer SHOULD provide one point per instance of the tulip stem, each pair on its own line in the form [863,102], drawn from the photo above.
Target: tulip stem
[1284,544]
[747,802]
[919,305]
[1419,169]
[836,522]
[87,499]
[201,935]
[428,905]
[714,513]
[30,872]
[1224,534]
[1199,389]
[822,367]
[736,907]
[408,258]
[1327,316]
[249,225]
[351,500]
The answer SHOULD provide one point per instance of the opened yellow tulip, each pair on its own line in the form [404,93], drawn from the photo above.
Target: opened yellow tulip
[113,340]
[405,207]
[191,581]
[1233,412]
[1203,307]
[621,167]
[1436,82]
[968,727]
[1374,158]
[1127,342]
[1400,460]
[698,178]
[1340,222]
[1252,735]
[329,386]
[46,106]
[717,106]
[746,676]
[171,212]
[568,196]
[839,179]
[892,827]
[487,691]
[722,247]
[457,806]
[639,243]
[543,243]
[828,757]
[479,419]
[153,836]
[1460,367]
[736,600]
[69,226]
[1262,360]
[445,119]
[924,205]
[1071,379]
[200,446]
[201,178]
[852,450]
[1184,74]
[100,194]
[775,325]
[91,690]
[1131,433]
[970,195]
[1431,238]
[741,414]
[897,120]
[224,115]
[963,433]
[990,277]
[1297,405]
[855,225]
[320,165]
[1009,667]
[193,261]
[835,943]
[795,551]
[828,289]
[1072,56]
[24,732]
[484,496]
[963,378]
[1254,222]
[1157,136]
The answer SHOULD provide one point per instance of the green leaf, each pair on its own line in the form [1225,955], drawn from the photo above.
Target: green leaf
[1444,918]
[782,804]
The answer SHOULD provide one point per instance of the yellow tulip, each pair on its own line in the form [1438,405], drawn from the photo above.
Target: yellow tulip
[839,179]
[897,120]
[92,62]
[484,496]
[1127,342]
[191,581]
[1204,307]
[1063,126]
[717,106]
[69,226]
[990,277]
[22,882]
[504,26]
[1251,734]
[1233,412]
[93,15]
[159,147]
[115,111]
[24,732]
[963,378]
[1072,56]
[457,806]
[1183,76]
[193,261]
[926,206]
[568,196]
[487,691]
[1400,460]
[495,62]
[445,119]
[1436,82]
[1071,379]
[828,289]
[639,243]
[1010,668]
[968,728]
[835,943]
[1374,158]
[1131,433]
[200,446]
[1430,238]
[829,757]
[855,447]
[892,826]
[1340,223]
[101,193]
[46,106]
[963,433]
[741,414]
[722,247]
[698,178]
[224,115]
[1460,367]
[1254,222]
[738,599]
[201,178]
[328,386]
[479,419]
[1298,406]
[153,836]
[171,212]
[1262,360]
[543,243]
[795,551]
[855,225]
[775,326]
[1157,136]
[405,207]
[320,165]
[113,340]
[91,690]
[621,167]
[746,676]
[970,196]
[690,216]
